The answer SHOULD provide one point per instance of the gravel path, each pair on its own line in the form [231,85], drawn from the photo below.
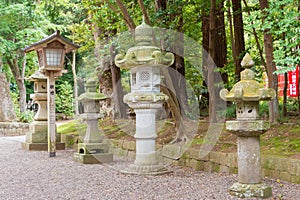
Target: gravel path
[34,176]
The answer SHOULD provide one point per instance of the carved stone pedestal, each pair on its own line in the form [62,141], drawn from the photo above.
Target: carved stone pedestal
[37,138]
[147,161]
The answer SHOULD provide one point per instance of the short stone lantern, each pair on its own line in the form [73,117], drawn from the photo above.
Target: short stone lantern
[246,94]
[51,53]
[36,139]
[93,150]
[144,62]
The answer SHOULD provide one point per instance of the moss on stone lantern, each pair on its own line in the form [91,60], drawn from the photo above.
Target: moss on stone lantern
[144,62]
[246,94]
[92,150]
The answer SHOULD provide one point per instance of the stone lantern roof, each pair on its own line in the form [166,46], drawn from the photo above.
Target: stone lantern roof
[91,93]
[37,75]
[144,54]
[247,89]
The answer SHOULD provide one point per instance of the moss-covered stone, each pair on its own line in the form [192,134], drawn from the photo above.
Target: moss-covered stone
[260,190]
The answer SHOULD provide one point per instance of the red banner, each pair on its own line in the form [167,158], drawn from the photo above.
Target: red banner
[293,77]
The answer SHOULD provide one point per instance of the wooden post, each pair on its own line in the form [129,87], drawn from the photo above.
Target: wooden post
[51,115]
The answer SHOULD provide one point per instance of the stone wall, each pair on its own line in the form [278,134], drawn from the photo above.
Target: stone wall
[286,169]
[13,128]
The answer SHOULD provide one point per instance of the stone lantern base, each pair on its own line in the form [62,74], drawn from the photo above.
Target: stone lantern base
[260,190]
[37,138]
[93,153]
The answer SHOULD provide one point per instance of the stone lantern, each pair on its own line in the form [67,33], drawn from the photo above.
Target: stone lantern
[144,62]
[51,53]
[93,150]
[36,139]
[246,94]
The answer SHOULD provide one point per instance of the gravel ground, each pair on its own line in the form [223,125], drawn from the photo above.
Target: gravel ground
[33,175]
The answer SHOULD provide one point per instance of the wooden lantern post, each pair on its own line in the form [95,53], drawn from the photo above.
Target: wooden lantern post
[51,52]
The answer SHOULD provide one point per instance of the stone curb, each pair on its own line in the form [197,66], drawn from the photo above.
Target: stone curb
[13,128]
[286,169]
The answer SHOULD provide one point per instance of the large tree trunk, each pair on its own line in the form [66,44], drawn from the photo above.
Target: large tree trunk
[239,40]
[178,79]
[271,66]
[7,112]
[221,43]
[229,19]
[205,56]
[177,102]
[218,53]
[118,105]
[19,77]
[110,77]
[211,66]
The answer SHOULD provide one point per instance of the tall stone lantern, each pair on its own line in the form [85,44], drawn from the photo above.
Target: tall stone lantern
[246,94]
[144,62]
[51,55]
[93,150]
[36,139]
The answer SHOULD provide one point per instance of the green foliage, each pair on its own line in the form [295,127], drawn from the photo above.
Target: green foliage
[231,111]
[284,18]
[25,22]
[64,99]
[292,105]
[21,24]
[282,21]
[264,109]
[26,116]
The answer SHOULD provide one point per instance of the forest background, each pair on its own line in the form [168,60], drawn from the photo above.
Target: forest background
[226,29]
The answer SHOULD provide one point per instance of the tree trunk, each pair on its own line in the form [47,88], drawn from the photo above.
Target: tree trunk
[211,66]
[285,94]
[285,84]
[178,79]
[144,11]
[7,112]
[231,29]
[221,43]
[205,55]
[19,77]
[239,40]
[271,67]
[119,106]
[263,62]
[218,53]
[160,5]
[128,19]
[75,83]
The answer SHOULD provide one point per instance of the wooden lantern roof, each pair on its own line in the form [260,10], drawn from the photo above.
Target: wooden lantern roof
[55,37]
